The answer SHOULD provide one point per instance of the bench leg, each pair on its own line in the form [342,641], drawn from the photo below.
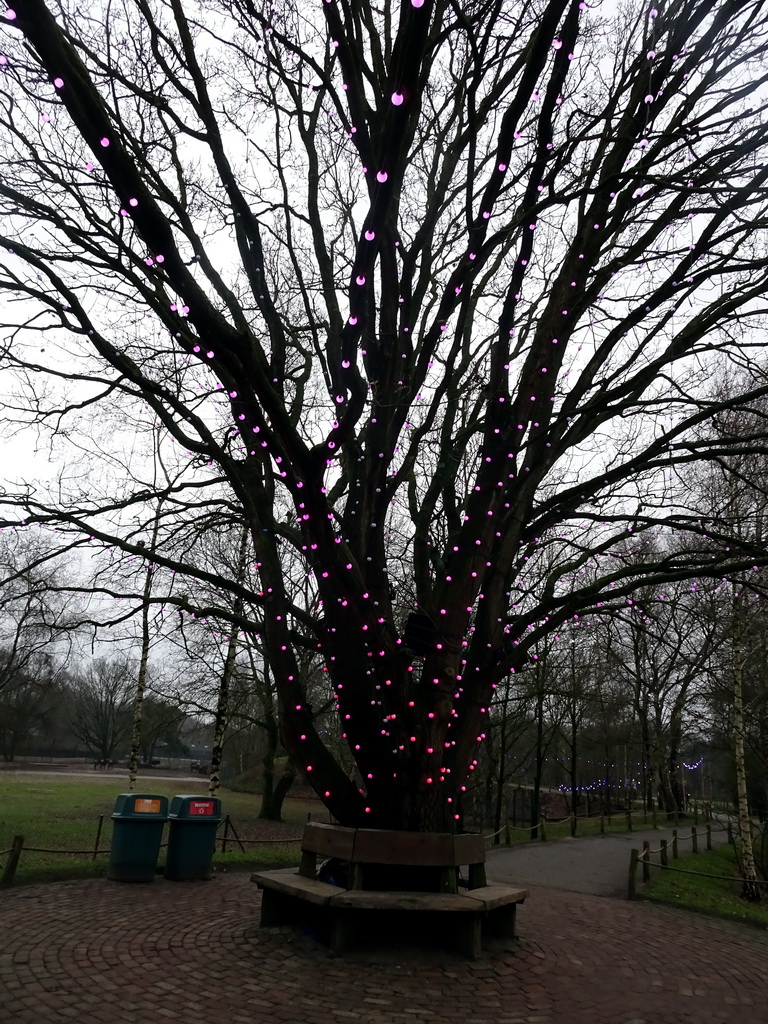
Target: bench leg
[464,933]
[501,921]
[277,908]
[343,932]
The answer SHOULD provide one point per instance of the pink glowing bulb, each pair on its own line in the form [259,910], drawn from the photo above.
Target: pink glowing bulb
[382,176]
[104,142]
[58,83]
[360,279]
[370,235]
[11,15]
[397,98]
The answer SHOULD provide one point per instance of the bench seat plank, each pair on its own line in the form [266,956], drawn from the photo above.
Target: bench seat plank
[287,881]
[492,896]
[423,901]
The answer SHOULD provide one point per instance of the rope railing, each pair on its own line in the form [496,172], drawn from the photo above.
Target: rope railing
[643,858]
[67,853]
[703,874]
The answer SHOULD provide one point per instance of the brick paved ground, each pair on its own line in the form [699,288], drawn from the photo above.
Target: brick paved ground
[95,952]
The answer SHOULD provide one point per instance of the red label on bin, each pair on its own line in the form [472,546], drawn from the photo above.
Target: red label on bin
[201,807]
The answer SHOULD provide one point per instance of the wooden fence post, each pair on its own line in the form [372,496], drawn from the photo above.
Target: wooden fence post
[674,844]
[632,873]
[13,861]
[507,835]
[663,852]
[602,823]
[98,837]
[709,837]
[543,832]
[694,839]
[646,861]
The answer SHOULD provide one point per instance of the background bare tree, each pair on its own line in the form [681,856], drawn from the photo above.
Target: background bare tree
[101,705]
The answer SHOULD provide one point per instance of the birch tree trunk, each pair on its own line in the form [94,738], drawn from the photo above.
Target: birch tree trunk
[750,890]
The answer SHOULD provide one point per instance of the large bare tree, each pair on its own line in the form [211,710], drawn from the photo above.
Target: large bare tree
[432,292]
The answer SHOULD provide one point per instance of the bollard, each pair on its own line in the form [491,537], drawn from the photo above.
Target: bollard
[663,852]
[674,844]
[646,861]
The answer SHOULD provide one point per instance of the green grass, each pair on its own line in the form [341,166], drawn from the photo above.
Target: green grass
[62,814]
[706,895]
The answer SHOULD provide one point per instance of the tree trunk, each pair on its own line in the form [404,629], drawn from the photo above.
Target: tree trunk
[501,771]
[141,681]
[222,702]
[272,807]
[268,789]
[750,890]
[536,795]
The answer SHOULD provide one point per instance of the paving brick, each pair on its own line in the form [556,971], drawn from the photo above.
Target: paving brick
[100,953]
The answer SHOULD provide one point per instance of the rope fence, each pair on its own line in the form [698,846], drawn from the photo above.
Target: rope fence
[51,857]
[622,821]
[643,858]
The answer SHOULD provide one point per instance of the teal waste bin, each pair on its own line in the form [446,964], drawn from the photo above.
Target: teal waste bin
[192,825]
[137,830]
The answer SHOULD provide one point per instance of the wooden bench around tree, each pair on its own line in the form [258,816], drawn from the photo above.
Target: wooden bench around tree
[396,880]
